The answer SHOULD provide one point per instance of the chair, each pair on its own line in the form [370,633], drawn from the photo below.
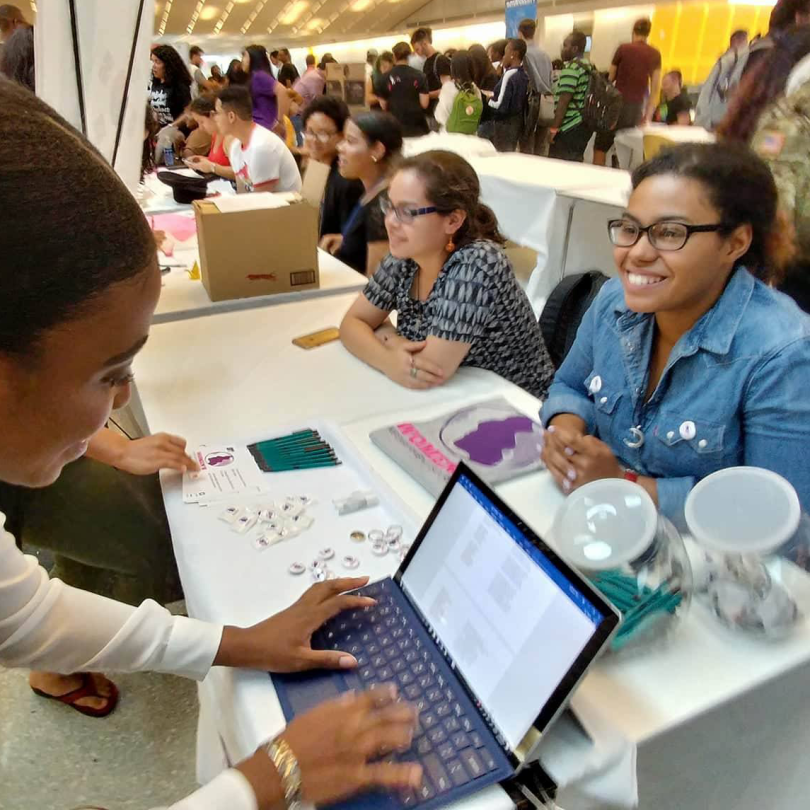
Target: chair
[564,310]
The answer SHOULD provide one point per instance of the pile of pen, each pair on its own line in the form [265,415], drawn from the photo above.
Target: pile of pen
[639,604]
[302,450]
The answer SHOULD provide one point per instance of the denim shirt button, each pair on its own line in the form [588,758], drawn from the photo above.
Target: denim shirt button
[702,444]
[603,400]
[671,435]
[688,430]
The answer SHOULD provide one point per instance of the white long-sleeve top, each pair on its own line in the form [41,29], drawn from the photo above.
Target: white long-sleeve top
[447,97]
[47,625]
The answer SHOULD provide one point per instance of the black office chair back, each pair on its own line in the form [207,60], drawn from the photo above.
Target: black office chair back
[564,310]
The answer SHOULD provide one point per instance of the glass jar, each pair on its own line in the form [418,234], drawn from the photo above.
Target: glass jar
[612,533]
[755,547]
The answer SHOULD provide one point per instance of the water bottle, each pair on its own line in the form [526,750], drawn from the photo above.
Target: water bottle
[168,156]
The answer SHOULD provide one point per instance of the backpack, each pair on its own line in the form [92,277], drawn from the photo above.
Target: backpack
[722,82]
[466,113]
[603,103]
[564,310]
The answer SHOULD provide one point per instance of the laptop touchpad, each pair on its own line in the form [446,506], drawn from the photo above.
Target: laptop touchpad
[309,692]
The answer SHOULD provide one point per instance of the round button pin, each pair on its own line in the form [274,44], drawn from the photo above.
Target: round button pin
[297,569]
[316,565]
[380,549]
[350,562]
[326,553]
[687,430]
[393,533]
[319,574]
[596,385]
[358,537]
[376,536]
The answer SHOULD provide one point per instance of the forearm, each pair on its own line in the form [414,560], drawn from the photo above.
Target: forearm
[359,338]
[225,172]
[108,447]
[387,335]
[264,779]
[569,421]
[562,108]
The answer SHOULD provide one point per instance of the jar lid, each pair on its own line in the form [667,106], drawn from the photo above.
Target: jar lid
[743,510]
[605,524]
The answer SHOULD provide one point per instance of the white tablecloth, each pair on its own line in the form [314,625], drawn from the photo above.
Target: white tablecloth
[468,146]
[720,721]
[155,197]
[534,199]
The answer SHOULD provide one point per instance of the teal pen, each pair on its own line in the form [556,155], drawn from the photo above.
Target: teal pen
[311,466]
[653,605]
[302,442]
[303,451]
[310,455]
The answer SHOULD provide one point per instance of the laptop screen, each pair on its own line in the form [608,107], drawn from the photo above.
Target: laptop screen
[513,623]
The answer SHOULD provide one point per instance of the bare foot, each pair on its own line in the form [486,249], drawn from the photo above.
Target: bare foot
[57,685]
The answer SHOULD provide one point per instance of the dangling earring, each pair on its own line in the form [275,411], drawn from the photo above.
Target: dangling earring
[450,246]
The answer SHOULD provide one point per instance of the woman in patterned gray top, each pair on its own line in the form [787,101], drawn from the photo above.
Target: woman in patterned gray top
[457,300]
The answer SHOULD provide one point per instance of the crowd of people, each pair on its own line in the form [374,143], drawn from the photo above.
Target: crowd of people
[701,250]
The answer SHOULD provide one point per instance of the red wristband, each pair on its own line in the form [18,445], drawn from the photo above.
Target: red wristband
[629,475]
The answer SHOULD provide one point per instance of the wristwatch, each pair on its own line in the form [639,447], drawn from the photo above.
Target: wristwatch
[286,764]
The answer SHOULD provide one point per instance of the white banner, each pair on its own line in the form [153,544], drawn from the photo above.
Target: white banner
[93,67]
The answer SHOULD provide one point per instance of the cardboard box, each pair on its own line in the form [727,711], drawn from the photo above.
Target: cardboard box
[261,250]
[347,82]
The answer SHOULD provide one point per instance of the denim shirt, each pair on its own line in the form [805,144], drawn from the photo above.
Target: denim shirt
[735,390]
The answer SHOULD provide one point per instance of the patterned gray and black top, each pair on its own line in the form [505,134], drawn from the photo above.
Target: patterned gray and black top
[477,300]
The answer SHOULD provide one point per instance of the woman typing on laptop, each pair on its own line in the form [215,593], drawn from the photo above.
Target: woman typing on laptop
[76,304]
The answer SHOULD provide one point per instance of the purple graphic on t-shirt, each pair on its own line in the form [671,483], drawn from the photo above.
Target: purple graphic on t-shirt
[487,443]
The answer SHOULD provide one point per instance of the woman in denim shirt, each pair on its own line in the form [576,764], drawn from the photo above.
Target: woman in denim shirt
[688,362]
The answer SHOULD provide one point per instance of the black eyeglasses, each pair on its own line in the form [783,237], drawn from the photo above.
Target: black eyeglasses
[663,235]
[404,215]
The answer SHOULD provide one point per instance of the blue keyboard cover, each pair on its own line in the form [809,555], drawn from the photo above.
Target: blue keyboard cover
[456,748]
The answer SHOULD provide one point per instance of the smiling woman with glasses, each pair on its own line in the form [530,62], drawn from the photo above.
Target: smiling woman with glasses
[323,122]
[690,361]
[457,300]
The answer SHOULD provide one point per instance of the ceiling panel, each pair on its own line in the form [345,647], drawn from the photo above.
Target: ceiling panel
[284,20]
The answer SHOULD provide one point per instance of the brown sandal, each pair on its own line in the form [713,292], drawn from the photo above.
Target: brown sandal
[86,690]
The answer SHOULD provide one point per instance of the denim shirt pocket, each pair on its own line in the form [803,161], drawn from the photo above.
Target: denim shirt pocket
[605,402]
[688,447]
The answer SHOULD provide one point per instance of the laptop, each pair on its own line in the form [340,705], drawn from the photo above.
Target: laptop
[484,628]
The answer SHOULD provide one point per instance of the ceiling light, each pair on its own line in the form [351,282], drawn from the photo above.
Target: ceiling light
[258,8]
[295,11]
[167,9]
[225,14]
[209,12]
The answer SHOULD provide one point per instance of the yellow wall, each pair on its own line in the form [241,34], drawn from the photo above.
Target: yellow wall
[691,36]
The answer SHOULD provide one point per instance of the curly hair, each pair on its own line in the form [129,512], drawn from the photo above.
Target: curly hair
[740,186]
[175,70]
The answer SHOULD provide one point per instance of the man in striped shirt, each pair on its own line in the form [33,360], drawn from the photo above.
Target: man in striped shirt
[569,135]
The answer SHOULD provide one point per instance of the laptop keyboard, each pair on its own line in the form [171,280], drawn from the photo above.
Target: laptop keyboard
[451,742]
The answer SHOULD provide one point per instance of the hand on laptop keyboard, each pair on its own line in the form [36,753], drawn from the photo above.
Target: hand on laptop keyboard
[282,643]
[336,745]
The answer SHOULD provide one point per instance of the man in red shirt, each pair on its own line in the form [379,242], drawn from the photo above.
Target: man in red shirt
[636,71]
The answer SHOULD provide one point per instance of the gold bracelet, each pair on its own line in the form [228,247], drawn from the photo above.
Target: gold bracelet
[289,772]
